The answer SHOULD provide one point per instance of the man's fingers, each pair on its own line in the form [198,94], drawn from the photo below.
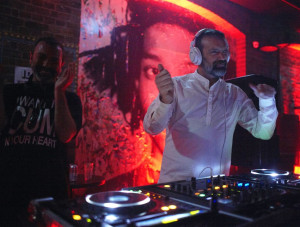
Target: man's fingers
[160,67]
[263,90]
[253,87]
[162,77]
[165,83]
[166,88]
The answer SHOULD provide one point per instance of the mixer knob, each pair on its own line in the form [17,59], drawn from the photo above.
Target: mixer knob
[208,183]
[178,187]
[246,196]
[225,193]
[193,183]
[263,194]
[190,190]
[254,197]
[172,186]
[217,180]
[235,199]
[214,203]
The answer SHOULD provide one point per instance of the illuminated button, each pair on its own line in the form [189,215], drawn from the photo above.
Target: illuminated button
[168,220]
[193,212]
[76,217]
[111,218]
[167,186]
[217,188]
[202,195]
[88,220]
[173,207]
[164,208]
[225,186]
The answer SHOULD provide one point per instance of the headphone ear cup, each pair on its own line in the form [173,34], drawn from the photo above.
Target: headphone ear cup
[195,55]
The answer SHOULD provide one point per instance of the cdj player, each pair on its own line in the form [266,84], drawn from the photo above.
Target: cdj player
[262,197]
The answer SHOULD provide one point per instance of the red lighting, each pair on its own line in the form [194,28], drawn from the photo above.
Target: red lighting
[255,44]
[295,46]
[223,25]
[290,4]
[282,45]
[269,48]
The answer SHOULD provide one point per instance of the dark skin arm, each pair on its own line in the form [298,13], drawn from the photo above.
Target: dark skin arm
[65,127]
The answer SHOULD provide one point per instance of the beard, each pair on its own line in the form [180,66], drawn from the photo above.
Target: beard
[45,75]
[217,69]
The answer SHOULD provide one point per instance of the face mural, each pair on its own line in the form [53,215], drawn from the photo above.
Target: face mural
[166,44]
[121,44]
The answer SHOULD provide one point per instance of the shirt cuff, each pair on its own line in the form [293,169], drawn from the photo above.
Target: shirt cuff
[266,102]
[163,107]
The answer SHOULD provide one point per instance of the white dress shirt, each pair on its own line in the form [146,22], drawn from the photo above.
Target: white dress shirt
[200,123]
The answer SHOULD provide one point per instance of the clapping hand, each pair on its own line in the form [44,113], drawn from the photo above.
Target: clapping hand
[65,78]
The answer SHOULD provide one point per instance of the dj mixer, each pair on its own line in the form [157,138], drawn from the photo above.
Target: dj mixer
[262,197]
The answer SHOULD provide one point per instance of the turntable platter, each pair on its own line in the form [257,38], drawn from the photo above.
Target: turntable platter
[269,172]
[117,199]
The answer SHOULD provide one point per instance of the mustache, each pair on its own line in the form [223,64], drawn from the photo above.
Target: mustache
[224,62]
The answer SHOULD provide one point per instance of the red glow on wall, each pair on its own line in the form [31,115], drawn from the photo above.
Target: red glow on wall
[255,44]
[290,4]
[290,84]
[223,25]
[295,46]
[269,48]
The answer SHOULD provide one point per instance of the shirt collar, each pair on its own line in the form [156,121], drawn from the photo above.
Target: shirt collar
[205,82]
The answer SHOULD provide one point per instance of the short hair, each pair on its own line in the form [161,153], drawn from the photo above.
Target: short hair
[208,32]
[50,41]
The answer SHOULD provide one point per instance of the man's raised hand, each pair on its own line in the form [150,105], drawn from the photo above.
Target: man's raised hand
[164,85]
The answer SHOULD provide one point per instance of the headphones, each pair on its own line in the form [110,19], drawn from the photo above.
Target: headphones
[195,53]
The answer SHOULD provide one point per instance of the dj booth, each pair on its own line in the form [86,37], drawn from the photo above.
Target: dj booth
[262,197]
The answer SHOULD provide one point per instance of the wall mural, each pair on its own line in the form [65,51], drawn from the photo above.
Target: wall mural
[121,43]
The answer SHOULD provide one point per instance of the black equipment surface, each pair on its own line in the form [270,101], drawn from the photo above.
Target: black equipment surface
[263,197]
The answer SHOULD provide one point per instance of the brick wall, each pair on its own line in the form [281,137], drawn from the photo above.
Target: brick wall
[290,93]
[22,22]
